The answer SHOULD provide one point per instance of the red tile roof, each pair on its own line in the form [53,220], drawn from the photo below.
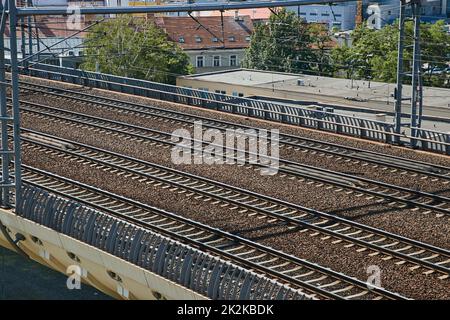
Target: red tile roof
[255,14]
[50,27]
[196,37]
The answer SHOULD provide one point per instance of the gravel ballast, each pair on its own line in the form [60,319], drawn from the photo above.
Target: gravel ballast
[287,129]
[406,222]
[398,278]
[306,158]
[409,223]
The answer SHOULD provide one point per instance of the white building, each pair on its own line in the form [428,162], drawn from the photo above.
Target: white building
[341,16]
[384,12]
[380,14]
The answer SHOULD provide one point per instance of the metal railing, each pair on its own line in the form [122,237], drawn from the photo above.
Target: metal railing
[294,115]
[199,271]
[432,140]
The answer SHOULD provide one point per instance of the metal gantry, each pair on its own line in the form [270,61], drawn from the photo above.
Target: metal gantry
[416,98]
[10,152]
[416,75]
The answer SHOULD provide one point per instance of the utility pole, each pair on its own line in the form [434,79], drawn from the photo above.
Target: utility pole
[398,90]
[416,97]
[15,100]
[5,119]
[416,83]
[11,158]
[30,30]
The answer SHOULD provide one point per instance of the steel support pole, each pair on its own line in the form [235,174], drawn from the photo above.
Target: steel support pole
[420,94]
[5,152]
[30,30]
[15,100]
[399,88]
[415,84]
[23,41]
[38,46]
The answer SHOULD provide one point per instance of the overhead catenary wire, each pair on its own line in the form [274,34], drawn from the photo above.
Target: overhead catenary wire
[212,28]
[334,65]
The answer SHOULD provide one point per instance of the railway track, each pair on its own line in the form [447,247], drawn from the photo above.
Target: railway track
[379,191]
[330,227]
[322,283]
[338,152]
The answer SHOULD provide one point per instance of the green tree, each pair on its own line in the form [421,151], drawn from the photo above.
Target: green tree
[134,47]
[321,44]
[341,58]
[283,44]
[373,53]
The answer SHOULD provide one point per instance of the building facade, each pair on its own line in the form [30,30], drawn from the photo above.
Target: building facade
[382,12]
[210,45]
[339,16]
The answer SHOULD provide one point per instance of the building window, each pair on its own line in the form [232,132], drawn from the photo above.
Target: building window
[216,61]
[389,12]
[338,15]
[215,39]
[231,38]
[248,38]
[200,61]
[198,39]
[181,39]
[325,14]
[313,14]
[303,13]
[240,94]
[233,61]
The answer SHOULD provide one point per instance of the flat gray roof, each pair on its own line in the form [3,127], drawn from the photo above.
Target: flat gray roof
[323,86]
[246,77]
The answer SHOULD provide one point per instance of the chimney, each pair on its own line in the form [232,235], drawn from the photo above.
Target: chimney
[236,15]
[359,13]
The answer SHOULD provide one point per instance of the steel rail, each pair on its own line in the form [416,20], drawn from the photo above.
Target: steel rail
[408,198]
[366,236]
[288,268]
[285,139]
[323,121]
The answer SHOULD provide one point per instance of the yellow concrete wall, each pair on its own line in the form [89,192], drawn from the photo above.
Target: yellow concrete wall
[52,251]
[246,90]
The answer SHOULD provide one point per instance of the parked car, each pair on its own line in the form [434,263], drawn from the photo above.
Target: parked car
[437,70]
